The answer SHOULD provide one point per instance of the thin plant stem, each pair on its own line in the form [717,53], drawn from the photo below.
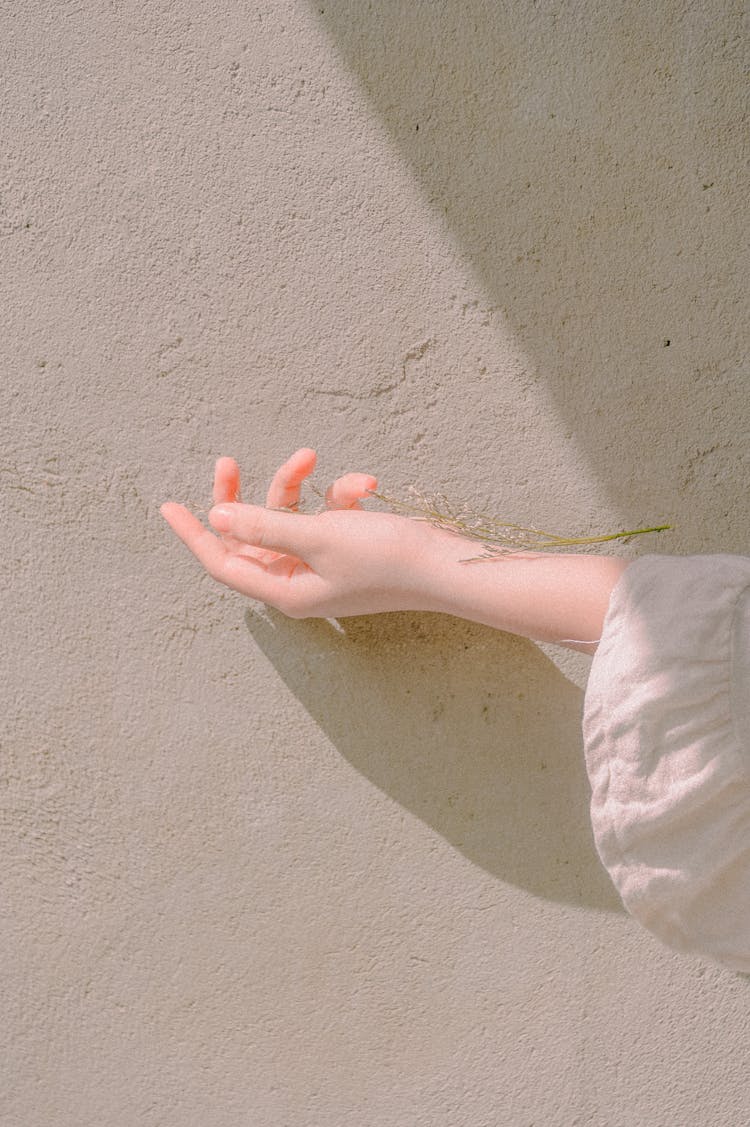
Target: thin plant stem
[498,536]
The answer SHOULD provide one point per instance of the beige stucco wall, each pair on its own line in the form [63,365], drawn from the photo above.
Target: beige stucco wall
[266,872]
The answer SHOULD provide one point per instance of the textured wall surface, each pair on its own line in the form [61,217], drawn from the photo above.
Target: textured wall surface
[273,873]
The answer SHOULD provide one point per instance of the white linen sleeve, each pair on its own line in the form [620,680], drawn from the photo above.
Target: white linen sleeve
[667,742]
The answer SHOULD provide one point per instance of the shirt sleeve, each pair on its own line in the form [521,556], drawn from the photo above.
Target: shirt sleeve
[667,742]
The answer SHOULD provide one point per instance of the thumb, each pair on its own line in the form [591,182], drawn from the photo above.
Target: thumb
[289,533]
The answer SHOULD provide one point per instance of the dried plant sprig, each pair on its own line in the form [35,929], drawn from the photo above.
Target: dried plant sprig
[498,537]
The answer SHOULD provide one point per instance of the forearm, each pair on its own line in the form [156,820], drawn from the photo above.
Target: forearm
[346,562]
[546,597]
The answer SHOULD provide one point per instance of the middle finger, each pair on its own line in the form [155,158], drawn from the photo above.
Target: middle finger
[284,490]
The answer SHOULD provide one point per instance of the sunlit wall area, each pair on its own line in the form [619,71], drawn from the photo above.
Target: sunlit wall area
[277,872]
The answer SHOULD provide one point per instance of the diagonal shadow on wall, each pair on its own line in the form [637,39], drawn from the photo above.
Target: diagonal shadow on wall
[588,161]
[473,731]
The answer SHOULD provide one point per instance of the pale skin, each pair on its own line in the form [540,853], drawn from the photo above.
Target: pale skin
[347,560]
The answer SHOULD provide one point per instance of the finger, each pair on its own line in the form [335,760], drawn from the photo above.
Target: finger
[346,491]
[226,481]
[288,533]
[284,490]
[187,528]
[202,543]
[227,488]
[249,576]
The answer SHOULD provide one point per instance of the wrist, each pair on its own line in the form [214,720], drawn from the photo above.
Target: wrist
[430,566]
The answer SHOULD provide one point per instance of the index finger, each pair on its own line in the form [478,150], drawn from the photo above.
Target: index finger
[202,543]
[248,576]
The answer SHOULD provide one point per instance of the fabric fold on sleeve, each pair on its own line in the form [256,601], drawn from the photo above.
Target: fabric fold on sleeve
[667,742]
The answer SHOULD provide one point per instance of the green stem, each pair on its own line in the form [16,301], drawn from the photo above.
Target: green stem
[570,541]
[491,532]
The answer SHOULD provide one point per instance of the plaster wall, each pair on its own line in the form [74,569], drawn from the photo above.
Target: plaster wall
[287,874]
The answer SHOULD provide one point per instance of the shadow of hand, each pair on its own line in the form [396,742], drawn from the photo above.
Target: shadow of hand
[474,731]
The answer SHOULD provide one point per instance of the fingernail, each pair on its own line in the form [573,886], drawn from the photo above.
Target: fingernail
[221,518]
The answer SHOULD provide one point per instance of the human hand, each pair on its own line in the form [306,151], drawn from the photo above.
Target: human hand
[339,562]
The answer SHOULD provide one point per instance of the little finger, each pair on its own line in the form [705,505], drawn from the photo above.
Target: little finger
[346,491]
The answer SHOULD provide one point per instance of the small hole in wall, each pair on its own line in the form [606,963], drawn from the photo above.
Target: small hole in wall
[417,129]
[667,343]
